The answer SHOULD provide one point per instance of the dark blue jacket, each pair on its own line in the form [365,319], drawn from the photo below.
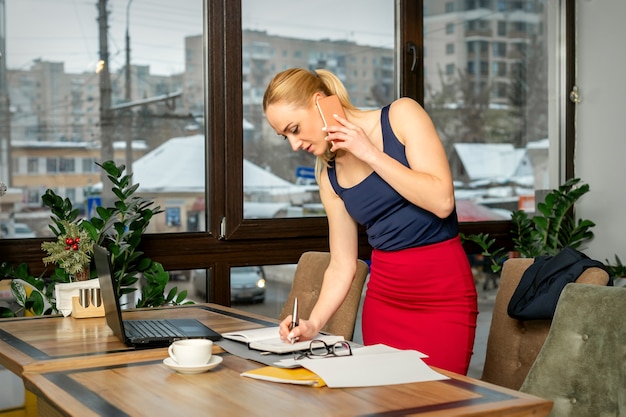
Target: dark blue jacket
[541,284]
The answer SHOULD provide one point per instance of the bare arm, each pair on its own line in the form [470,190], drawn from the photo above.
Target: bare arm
[427,183]
[340,272]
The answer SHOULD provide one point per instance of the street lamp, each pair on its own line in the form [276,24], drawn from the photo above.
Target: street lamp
[129,140]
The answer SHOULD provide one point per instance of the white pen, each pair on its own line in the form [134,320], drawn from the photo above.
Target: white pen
[294,319]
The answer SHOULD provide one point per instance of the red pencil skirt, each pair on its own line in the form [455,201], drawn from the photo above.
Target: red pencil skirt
[423,299]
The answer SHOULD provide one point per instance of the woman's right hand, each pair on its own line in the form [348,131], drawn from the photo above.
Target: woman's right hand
[349,137]
[305,330]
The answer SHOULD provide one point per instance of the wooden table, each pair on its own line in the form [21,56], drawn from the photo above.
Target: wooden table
[77,368]
[49,343]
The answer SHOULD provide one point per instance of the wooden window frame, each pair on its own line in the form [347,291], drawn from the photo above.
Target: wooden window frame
[232,240]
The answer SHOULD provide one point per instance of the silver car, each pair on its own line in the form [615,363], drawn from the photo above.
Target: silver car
[20,231]
[247,284]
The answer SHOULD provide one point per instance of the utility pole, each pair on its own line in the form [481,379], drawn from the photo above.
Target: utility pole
[5,115]
[106,113]
[127,85]
[129,112]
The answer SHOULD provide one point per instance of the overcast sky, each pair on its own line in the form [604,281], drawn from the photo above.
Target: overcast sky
[67,30]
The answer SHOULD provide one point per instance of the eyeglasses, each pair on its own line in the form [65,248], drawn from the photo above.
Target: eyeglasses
[320,349]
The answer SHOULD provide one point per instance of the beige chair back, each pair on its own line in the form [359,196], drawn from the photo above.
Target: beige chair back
[307,283]
[513,345]
[582,365]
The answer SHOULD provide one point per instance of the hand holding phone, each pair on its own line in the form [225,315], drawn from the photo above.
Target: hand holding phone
[328,106]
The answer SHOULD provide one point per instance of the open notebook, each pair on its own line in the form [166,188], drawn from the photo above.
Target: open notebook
[266,339]
[142,333]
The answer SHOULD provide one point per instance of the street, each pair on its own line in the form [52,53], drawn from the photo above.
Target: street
[278,281]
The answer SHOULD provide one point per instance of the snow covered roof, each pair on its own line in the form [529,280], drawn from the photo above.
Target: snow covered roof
[177,165]
[256,179]
[489,160]
[539,144]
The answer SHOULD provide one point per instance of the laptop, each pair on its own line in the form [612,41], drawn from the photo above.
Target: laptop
[142,333]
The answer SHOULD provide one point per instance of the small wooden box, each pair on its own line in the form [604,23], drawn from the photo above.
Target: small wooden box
[80,312]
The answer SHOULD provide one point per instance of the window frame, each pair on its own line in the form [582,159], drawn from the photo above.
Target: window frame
[238,241]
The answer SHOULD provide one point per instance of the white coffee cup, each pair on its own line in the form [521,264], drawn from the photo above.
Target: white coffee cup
[191,352]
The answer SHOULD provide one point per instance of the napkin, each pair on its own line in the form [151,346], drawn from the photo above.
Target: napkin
[64,293]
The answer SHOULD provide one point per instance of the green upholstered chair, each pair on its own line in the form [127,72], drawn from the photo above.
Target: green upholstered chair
[513,345]
[307,283]
[582,364]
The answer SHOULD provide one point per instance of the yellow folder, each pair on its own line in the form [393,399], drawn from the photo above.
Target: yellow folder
[298,376]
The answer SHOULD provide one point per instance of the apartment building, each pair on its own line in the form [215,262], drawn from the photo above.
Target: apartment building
[482,40]
[55,116]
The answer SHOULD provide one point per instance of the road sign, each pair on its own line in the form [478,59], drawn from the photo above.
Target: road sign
[92,203]
[305,172]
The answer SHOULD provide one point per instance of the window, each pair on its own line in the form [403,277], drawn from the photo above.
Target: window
[499,69]
[501,28]
[496,131]
[220,234]
[278,182]
[89,165]
[52,165]
[33,165]
[499,49]
[66,165]
[56,113]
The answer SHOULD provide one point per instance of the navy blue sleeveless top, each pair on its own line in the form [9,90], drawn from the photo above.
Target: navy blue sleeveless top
[391,221]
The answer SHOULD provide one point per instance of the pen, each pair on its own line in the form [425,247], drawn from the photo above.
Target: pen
[294,318]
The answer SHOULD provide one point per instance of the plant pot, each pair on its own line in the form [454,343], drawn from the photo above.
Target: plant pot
[82,275]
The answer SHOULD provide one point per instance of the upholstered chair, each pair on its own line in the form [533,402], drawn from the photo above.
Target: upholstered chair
[513,345]
[307,283]
[582,364]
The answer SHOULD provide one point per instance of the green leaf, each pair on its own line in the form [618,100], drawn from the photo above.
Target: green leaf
[22,272]
[132,189]
[181,297]
[104,213]
[110,168]
[144,264]
[35,303]
[6,312]
[171,294]
[126,290]
[19,292]
[90,229]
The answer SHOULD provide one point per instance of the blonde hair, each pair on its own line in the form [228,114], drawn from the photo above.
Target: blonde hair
[296,86]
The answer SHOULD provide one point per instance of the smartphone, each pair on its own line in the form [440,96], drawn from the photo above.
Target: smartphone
[328,106]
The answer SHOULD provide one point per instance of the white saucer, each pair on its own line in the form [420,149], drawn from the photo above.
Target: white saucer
[215,360]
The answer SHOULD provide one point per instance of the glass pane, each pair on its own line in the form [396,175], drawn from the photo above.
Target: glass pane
[257,289]
[53,131]
[486,83]
[355,41]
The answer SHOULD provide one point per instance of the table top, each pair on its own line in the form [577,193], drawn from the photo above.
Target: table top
[150,388]
[47,343]
[77,367]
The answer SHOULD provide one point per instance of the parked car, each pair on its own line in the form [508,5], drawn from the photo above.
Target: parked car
[20,231]
[247,284]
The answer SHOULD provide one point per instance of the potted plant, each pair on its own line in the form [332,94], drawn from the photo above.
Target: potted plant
[546,233]
[71,251]
[617,270]
[118,228]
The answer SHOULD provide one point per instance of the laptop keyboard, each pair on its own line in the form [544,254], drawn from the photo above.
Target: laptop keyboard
[152,328]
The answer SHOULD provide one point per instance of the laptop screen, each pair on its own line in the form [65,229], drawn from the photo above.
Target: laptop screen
[110,300]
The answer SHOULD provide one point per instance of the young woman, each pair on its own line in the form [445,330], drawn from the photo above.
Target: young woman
[387,170]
